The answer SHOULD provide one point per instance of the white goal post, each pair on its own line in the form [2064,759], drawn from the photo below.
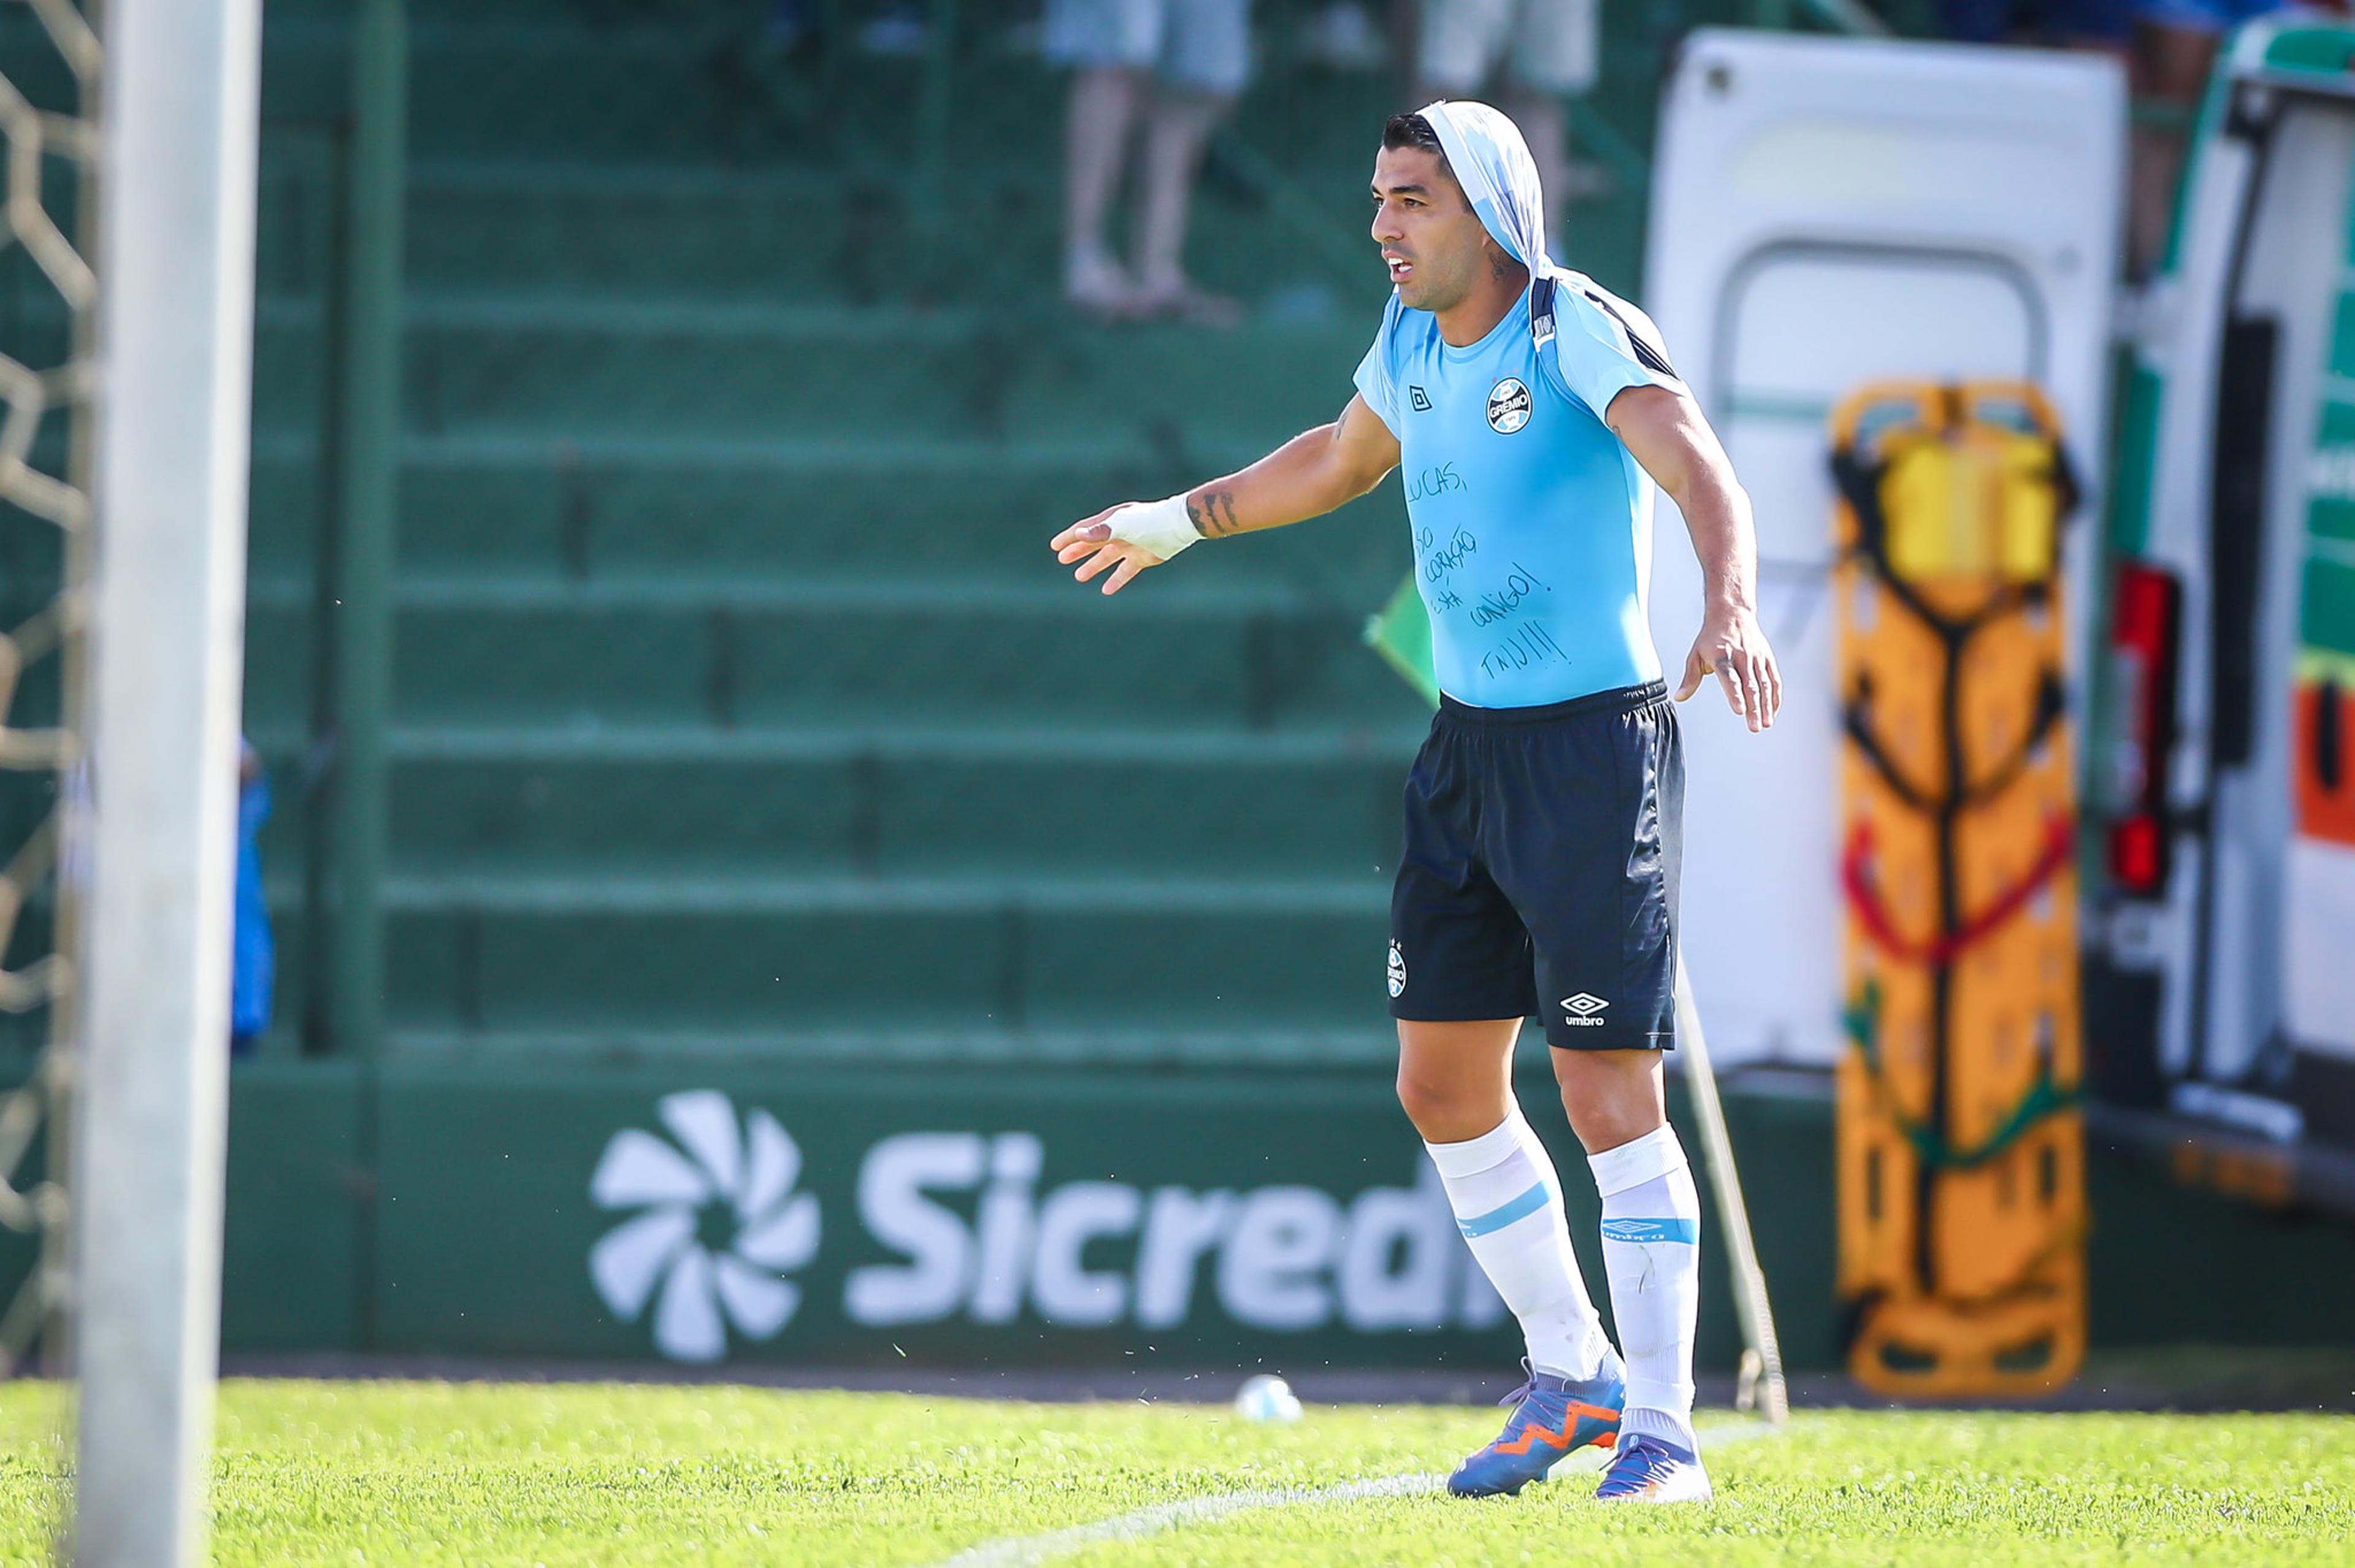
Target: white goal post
[179,126]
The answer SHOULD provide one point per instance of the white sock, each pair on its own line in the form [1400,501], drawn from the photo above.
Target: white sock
[1508,1202]
[1651,1251]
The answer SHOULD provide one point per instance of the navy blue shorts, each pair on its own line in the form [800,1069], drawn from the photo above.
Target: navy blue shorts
[1539,877]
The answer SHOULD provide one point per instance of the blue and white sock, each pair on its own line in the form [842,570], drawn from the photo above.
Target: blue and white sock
[1507,1203]
[1651,1251]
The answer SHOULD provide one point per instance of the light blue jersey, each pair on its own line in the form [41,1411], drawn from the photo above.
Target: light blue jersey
[1532,522]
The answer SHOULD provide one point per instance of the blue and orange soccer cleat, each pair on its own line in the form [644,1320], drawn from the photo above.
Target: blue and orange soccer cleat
[1648,1470]
[1552,1416]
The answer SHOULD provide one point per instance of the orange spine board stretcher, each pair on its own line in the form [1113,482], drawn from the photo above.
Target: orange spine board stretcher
[1961,1211]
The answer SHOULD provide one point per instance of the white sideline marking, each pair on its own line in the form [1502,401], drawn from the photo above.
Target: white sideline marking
[1025,1551]
[1021,1551]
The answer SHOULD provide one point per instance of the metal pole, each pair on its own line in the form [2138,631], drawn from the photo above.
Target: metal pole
[367,497]
[175,331]
[1762,1369]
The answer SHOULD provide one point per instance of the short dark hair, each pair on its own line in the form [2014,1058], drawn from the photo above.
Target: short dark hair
[1412,130]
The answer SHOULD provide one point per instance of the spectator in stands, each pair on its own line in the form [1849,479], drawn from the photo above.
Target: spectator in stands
[1170,68]
[2168,47]
[253,957]
[1553,48]
[2103,25]
[2175,44]
[1342,35]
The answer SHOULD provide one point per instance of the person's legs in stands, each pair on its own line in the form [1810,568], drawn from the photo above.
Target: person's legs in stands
[1182,124]
[1544,120]
[1553,48]
[2171,65]
[2175,44]
[1205,60]
[1554,55]
[1461,42]
[1111,45]
[1103,108]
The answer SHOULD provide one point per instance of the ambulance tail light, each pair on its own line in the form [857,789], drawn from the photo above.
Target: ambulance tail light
[2144,631]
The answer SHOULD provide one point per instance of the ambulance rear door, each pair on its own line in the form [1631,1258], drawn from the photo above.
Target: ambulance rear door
[1828,212]
[2227,962]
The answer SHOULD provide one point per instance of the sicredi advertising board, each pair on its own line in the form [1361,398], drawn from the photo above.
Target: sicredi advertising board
[960,1216]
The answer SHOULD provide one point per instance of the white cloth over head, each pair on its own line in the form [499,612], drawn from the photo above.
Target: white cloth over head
[1499,178]
[1492,162]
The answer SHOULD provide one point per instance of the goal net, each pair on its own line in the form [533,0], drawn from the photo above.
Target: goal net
[48,86]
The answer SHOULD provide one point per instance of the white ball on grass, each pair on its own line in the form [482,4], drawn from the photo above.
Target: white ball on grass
[1264,1397]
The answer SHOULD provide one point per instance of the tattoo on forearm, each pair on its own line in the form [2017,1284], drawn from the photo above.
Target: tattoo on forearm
[1213,514]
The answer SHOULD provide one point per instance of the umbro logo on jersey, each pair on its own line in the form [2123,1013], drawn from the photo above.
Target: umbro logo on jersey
[1582,1008]
[1509,405]
[1419,397]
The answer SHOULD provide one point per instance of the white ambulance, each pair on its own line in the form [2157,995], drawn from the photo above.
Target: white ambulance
[1830,212]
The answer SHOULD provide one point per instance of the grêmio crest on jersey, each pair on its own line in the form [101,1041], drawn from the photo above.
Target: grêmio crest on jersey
[1509,405]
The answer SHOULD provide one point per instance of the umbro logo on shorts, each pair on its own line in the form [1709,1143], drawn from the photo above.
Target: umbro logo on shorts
[1421,399]
[1583,1008]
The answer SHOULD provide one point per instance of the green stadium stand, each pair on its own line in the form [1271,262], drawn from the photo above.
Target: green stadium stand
[738,706]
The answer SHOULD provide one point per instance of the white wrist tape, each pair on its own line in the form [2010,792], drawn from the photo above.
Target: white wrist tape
[1161,526]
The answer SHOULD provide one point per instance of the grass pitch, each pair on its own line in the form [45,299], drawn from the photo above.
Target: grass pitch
[480,1474]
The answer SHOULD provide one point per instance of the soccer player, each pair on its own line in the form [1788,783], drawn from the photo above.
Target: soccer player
[1527,405]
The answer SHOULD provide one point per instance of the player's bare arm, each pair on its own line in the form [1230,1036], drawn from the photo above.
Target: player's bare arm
[1665,430]
[1314,473]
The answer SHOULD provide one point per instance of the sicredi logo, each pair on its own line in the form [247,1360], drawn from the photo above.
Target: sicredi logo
[1280,1257]
[716,1226]
[971,1232]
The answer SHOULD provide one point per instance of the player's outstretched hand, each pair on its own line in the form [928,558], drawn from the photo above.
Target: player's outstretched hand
[1732,647]
[1090,542]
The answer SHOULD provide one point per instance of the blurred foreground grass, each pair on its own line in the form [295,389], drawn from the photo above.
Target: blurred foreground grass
[484,1474]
